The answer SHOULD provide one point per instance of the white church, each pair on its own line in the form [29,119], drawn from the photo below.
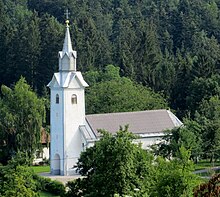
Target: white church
[72,131]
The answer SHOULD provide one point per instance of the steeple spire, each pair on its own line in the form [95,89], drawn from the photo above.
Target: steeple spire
[67,45]
[67,57]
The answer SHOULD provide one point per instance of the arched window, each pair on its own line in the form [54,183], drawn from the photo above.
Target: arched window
[74,99]
[57,98]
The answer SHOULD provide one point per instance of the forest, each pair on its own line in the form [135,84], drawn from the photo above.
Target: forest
[171,47]
[151,54]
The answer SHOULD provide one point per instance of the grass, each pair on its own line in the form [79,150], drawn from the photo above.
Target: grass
[40,169]
[208,173]
[45,194]
[204,164]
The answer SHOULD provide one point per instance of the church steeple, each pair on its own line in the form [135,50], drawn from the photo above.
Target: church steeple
[67,114]
[67,57]
[67,45]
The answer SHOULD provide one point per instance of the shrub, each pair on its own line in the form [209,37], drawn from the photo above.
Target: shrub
[74,188]
[17,181]
[48,185]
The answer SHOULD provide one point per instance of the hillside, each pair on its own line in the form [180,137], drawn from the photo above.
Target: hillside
[170,46]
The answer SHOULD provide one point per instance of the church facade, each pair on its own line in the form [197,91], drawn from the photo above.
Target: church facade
[72,131]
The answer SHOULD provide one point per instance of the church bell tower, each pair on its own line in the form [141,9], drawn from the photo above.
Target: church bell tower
[67,102]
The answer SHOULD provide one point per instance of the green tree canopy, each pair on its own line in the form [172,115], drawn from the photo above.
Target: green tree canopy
[117,165]
[175,177]
[16,179]
[22,114]
[114,165]
[202,89]
[208,116]
[187,136]
[117,94]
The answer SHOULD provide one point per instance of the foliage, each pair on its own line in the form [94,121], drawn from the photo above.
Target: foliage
[20,158]
[165,45]
[48,185]
[17,180]
[175,177]
[22,114]
[188,136]
[51,41]
[75,188]
[118,94]
[46,194]
[200,135]
[205,164]
[114,165]
[208,116]
[110,73]
[202,89]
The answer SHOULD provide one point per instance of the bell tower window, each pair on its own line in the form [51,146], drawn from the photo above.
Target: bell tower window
[57,99]
[74,99]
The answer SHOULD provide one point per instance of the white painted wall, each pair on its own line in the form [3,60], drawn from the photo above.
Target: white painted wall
[56,134]
[45,154]
[66,141]
[148,141]
[74,115]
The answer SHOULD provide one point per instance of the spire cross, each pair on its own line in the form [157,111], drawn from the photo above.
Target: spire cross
[67,17]
[67,14]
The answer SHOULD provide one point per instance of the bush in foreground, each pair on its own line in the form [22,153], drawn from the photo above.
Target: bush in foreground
[50,186]
[17,181]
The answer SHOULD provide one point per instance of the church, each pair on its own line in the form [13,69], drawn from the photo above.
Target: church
[72,131]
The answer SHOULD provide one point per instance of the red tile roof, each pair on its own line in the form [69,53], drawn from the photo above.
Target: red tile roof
[45,137]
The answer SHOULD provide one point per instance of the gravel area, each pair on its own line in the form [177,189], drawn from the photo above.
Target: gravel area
[62,179]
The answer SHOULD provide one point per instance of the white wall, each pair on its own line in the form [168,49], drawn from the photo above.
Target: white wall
[74,115]
[56,134]
[146,142]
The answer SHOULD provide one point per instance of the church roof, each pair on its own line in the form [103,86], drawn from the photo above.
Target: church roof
[140,122]
[67,45]
[64,79]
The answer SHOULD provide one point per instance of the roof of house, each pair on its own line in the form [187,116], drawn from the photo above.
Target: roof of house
[45,137]
[141,122]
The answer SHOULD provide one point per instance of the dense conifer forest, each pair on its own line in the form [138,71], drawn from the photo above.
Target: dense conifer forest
[170,46]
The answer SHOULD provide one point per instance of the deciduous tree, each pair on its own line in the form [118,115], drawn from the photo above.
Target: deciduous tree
[120,94]
[22,114]
[175,177]
[115,165]
[16,179]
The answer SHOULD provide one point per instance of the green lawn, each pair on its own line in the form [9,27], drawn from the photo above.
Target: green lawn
[45,194]
[40,169]
[204,164]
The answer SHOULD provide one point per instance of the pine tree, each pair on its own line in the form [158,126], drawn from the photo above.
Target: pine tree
[148,55]
[51,42]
